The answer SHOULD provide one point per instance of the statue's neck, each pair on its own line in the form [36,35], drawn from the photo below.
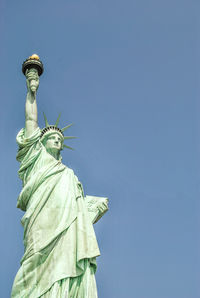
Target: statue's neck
[54,153]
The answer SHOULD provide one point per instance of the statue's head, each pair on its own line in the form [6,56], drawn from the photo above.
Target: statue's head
[53,143]
[52,137]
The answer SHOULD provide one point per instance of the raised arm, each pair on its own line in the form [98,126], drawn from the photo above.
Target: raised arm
[31,119]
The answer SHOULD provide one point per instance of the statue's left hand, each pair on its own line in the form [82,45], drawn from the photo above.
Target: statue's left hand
[103,207]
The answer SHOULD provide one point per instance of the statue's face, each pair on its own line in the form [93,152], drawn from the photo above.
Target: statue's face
[53,142]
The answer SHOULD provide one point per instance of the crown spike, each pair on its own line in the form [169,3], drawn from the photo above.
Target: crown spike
[68,147]
[45,119]
[66,127]
[68,138]
[57,121]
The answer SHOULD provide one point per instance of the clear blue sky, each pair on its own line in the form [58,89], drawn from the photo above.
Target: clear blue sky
[127,73]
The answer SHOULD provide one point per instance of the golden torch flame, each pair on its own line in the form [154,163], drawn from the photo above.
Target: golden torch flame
[34,57]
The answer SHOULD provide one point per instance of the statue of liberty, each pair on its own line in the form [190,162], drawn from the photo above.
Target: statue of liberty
[60,244]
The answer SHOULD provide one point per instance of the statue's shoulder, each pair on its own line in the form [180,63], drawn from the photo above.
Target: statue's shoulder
[71,173]
[69,170]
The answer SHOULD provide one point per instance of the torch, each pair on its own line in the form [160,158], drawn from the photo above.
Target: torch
[33,62]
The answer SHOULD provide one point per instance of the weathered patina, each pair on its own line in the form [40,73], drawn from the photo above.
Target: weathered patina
[59,239]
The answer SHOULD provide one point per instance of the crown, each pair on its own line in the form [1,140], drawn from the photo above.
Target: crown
[49,129]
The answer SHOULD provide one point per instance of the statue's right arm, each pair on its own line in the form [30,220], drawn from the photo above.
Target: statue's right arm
[31,118]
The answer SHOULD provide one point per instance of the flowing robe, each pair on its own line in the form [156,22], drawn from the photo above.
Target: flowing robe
[59,239]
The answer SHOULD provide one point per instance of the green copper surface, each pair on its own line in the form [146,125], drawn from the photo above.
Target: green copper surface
[60,244]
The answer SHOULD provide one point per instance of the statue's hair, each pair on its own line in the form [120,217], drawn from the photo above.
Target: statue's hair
[49,130]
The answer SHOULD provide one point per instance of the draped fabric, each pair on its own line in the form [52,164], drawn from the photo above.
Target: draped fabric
[78,287]
[59,239]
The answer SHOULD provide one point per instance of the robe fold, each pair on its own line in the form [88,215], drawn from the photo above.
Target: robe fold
[59,239]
